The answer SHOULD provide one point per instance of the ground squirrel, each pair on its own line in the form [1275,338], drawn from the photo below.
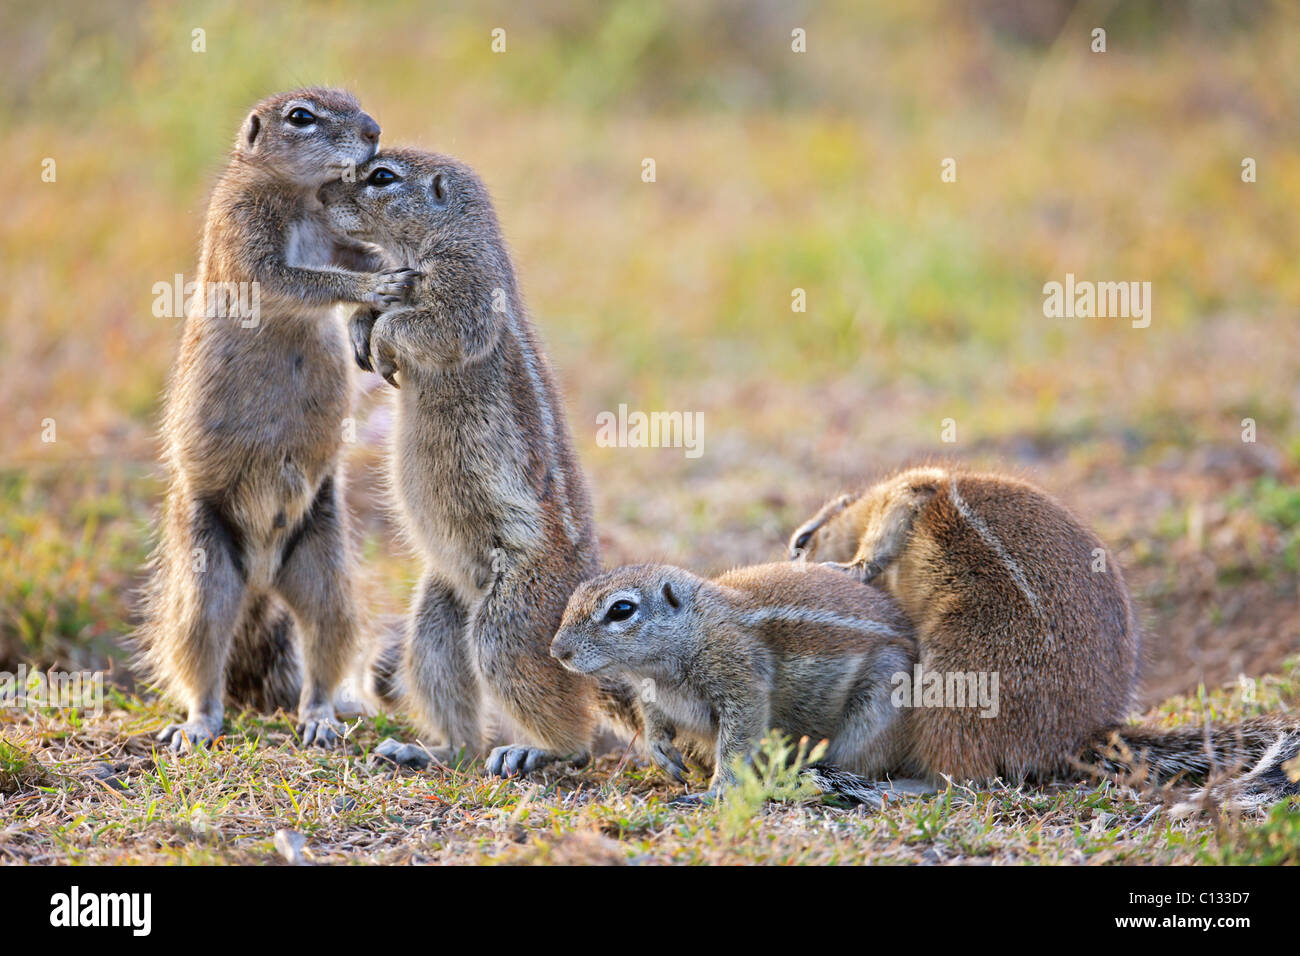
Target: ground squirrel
[718,663]
[490,491]
[253,554]
[998,577]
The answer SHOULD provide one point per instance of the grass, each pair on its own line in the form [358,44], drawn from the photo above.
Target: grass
[776,171]
[98,792]
[19,770]
[1274,842]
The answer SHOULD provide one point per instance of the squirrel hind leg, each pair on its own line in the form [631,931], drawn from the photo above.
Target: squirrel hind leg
[382,671]
[264,670]
[510,633]
[436,674]
[194,610]
[315,580]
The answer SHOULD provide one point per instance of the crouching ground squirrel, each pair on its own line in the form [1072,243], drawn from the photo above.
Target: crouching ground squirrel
[998,577]
[491,493]
[253,552]
[806,651]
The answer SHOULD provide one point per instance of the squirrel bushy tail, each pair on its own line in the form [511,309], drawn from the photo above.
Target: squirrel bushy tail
[842,783]
[383,668]
[1243,763]
[1243,766]
[264,670]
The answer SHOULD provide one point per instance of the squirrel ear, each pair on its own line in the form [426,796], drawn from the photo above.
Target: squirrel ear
[252,126]
[670,597]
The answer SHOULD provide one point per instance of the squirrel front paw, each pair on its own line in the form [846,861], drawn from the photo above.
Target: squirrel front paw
[863,571]
[370,347]
[390,287]
[360,327]
[382,354]
[667,758]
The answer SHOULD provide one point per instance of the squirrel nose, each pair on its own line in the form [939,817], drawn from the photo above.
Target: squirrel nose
[369,128]
[561,652]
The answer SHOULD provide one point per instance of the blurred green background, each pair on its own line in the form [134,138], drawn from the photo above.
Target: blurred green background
[775,171]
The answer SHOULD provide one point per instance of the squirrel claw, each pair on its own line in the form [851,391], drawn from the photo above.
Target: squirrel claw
[360,328]
[392,286]
[320,732]
[182,738]
[385,359]
[668,759]
[403,755]
[513,761]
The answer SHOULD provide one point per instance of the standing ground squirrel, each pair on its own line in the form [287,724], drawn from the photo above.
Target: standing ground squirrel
[254,514]
[998,577]
[803,650]
[484,473]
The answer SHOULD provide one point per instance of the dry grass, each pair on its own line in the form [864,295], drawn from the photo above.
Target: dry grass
[775,171]
[96,791]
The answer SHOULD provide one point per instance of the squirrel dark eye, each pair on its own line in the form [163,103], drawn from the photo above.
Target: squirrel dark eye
[620,611]
[801,542]
[301,117]
[382,177]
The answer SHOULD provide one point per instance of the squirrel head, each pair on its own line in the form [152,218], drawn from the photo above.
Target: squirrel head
[308,136]
[414,204]
[629,620]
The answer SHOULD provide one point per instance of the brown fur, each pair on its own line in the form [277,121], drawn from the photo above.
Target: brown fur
[254,530]
[997,576]
[719,663]
[490,491]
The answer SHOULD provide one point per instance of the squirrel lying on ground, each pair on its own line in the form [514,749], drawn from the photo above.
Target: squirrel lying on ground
[998,577]
[720,662]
